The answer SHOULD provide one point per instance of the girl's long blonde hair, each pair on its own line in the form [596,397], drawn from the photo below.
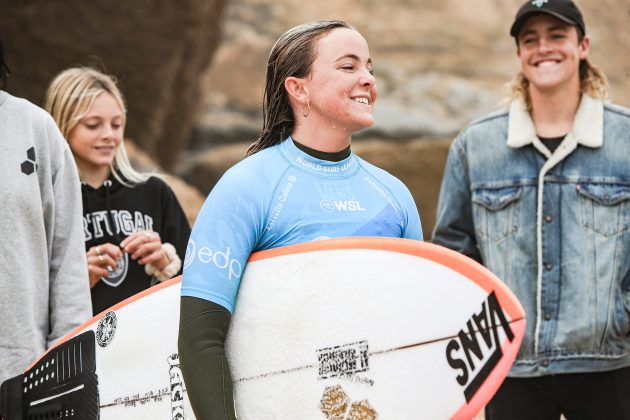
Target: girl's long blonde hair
[69,98]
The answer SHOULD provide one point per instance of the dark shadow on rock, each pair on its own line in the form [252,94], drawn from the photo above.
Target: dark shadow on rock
[158,49]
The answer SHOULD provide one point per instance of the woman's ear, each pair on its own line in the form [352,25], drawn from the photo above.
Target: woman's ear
[296,88]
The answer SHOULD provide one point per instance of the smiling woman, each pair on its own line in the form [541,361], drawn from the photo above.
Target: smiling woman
[95,139]
[340,90]
[300,183]
[135,230]
[323,66]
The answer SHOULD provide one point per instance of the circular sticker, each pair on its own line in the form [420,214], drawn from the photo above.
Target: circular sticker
[106,329]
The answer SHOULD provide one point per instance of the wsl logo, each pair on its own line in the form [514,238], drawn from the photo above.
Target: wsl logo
[474,353]
[330,206]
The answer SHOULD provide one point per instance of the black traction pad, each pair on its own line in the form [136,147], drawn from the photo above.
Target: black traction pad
[62,385]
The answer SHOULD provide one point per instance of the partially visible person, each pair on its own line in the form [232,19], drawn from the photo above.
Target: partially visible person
[135,229]
[43,270]
[540,194]
[300,183]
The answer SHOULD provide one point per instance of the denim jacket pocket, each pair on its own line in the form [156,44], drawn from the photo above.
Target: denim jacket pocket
[497,211]
[605,208]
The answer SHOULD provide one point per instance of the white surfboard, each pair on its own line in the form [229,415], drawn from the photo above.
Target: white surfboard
[355,328]
[121,364]
[366,328]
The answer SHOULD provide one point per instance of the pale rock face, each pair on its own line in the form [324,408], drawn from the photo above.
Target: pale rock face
[438,64]
[189,196]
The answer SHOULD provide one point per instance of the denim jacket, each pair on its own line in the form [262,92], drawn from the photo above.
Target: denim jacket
[555,227]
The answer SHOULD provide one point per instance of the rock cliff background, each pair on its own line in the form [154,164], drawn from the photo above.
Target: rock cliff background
[158,49]
[438,63]
[194,95]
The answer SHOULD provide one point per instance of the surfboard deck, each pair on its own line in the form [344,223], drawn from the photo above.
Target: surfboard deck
[353,328]
[366,328]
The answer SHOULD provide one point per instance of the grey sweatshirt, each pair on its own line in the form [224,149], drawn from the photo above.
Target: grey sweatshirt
[44,290]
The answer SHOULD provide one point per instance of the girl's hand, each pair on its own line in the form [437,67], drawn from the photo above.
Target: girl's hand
[146,247]
[101,260]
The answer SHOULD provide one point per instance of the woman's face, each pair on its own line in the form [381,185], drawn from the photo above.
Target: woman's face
[96,137]
[341,87]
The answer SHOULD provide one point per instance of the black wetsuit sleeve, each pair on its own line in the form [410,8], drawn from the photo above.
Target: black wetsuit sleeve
[203,327]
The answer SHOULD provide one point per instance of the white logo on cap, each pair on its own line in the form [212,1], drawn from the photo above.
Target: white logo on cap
[539,3]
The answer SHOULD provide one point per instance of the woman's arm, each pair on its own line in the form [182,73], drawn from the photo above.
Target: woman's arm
[203,327]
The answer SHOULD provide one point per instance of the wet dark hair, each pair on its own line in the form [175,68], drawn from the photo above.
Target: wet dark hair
[4,69]
[291,56]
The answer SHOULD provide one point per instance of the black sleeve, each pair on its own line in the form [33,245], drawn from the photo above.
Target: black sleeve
[203,326]
[175,227]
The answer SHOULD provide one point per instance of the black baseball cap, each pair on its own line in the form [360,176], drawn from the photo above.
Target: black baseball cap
[565,10]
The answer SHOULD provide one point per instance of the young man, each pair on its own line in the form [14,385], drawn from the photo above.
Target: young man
[540,194]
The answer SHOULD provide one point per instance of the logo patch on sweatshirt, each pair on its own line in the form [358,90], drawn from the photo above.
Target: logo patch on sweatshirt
[117,275]
[29,165]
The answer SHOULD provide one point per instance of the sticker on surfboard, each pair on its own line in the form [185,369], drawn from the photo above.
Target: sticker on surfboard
[353,328]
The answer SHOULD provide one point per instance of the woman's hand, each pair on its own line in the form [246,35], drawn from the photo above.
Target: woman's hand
[146,247]
[101,260]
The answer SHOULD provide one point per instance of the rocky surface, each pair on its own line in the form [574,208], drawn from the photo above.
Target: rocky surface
[189,197]
[439,64]
[157,48]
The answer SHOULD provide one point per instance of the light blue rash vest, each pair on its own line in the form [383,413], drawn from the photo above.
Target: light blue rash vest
[282,196]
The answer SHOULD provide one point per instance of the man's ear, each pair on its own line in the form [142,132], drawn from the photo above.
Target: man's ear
[296,88]
[584,47]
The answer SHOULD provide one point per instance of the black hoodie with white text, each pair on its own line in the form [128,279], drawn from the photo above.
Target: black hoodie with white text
[114,211]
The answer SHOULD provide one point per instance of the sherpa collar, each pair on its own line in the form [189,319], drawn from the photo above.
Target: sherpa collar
[588,127]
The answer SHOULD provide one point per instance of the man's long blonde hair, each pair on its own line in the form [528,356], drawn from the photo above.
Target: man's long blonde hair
[69,98]
[593,83]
